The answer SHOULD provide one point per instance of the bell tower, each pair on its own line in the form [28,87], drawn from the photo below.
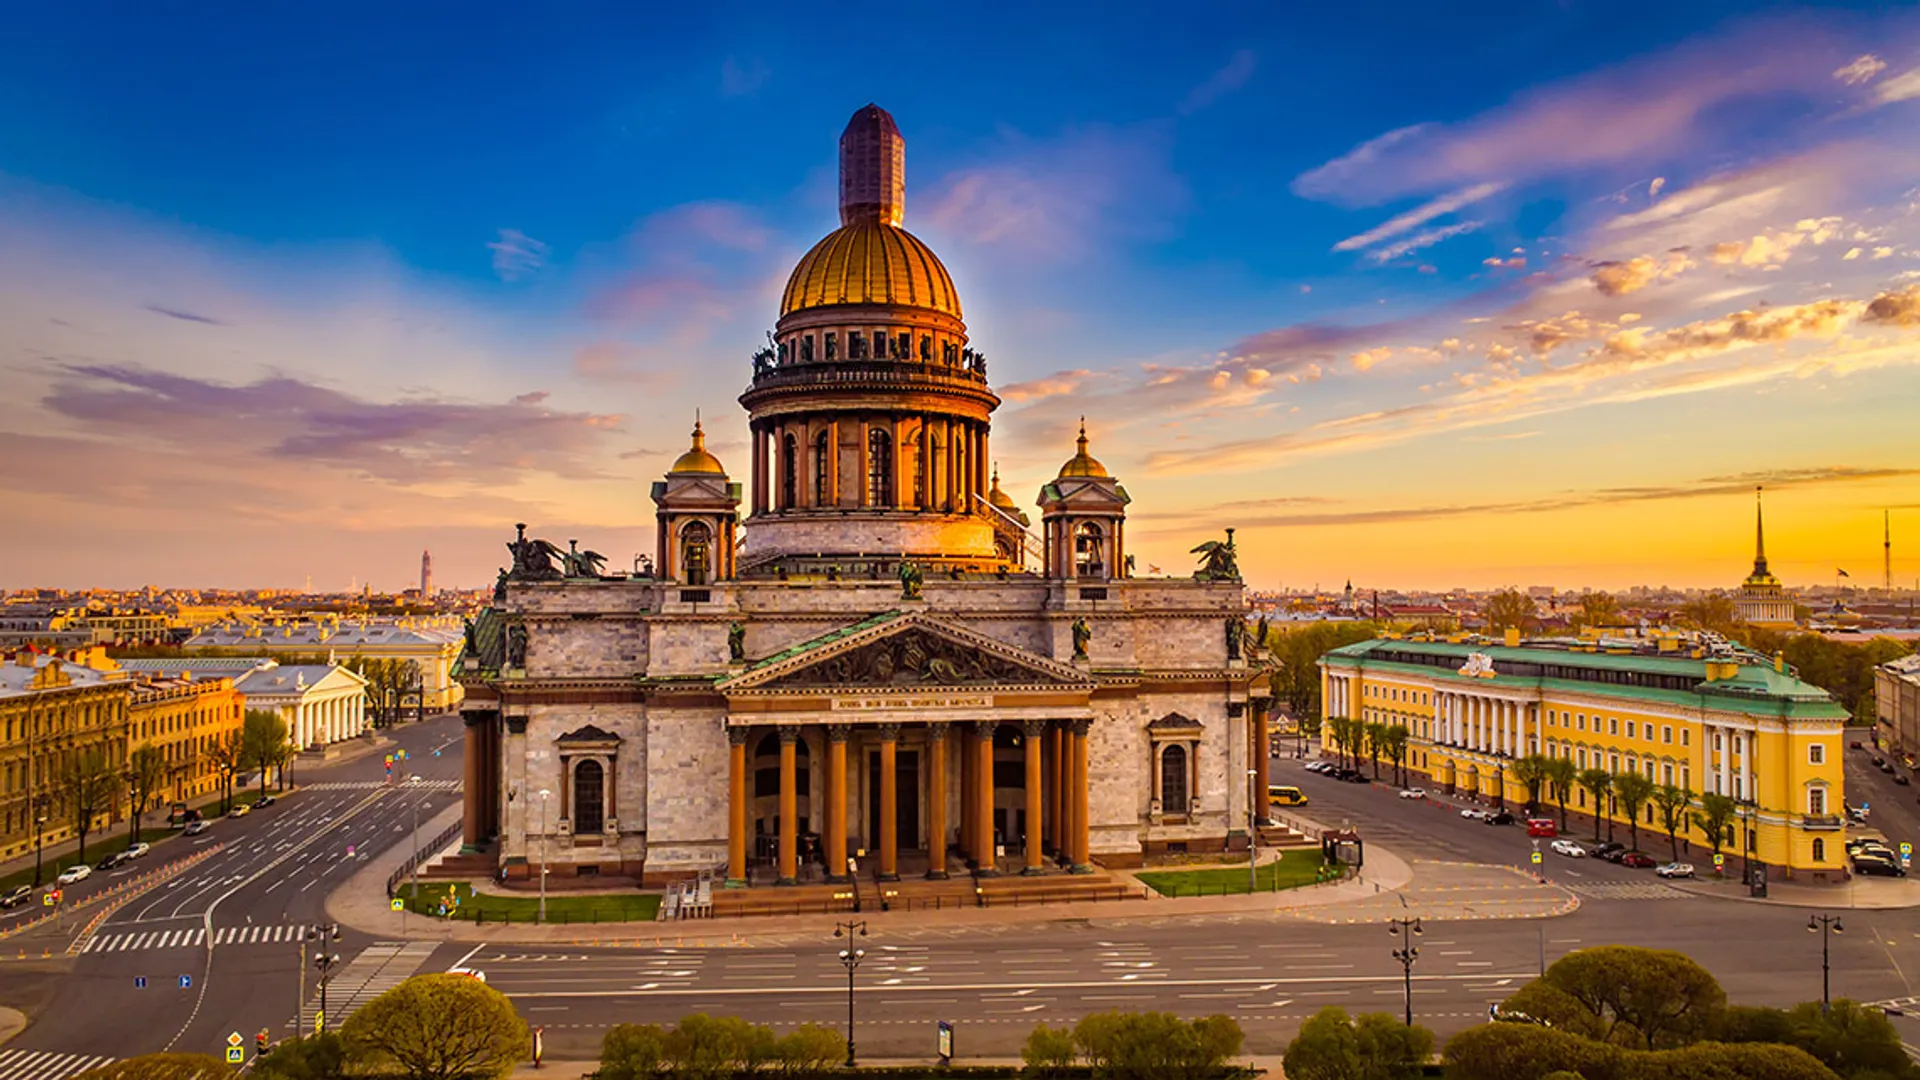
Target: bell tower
[1083,516]
[698,511]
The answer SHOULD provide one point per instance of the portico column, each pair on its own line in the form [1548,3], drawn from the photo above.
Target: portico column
[737,805]
[889,802]
[1082,823]
[1262,758]
[983,799]
[1034,731]
[789,809]
[967,761]
[836,853]
[937,801]
[470,801]
[1053,775]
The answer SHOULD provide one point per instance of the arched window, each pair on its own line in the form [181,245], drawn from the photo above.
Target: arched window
[879,468]
[1087,558]
[1173,780]
[821,461]
[790,473]
[696,553]
[1819,849]
[589,791]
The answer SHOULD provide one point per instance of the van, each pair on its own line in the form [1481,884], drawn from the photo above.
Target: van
[1286,795]
[1540,826]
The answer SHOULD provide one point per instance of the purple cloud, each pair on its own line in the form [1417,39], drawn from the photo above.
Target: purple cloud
[176,313]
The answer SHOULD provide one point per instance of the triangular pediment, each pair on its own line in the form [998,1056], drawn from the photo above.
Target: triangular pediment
[906,652]
[587,734]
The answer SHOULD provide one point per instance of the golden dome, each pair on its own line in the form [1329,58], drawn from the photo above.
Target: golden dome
[870,262]
[1083,463]
[1000,498]
[696,459]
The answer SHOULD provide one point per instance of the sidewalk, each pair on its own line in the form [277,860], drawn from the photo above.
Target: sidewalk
[1889,894]
[361,902]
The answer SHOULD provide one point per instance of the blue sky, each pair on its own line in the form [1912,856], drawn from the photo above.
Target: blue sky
[1412,294]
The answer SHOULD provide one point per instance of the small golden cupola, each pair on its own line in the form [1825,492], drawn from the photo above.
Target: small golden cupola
[1082,463]
[1083,514]
[698,511]
[697,459]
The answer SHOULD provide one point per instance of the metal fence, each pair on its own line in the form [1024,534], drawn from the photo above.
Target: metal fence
[432,848]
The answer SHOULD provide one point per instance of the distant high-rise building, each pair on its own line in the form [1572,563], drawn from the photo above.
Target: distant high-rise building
[426,574]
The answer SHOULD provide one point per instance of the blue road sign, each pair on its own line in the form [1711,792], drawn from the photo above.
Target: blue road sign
[139,982]
[186,982]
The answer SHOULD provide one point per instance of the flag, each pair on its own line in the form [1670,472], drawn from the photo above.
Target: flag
[1842,573]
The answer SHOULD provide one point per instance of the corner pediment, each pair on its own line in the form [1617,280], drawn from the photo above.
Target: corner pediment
[588,736]
[906,652]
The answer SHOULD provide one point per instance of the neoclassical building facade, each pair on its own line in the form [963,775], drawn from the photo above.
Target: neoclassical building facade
[862,661]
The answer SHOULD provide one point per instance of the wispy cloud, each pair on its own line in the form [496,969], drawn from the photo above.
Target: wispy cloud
[1230,77]
[184,316]
[516,255]
[1420,240]
[1420,215]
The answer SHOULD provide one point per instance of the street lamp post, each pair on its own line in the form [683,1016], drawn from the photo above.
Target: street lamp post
[1500,782]
[1253,833]
[323,962]
[39,835]
[544,795]
[1826,926]
[1406,952]
[851,957]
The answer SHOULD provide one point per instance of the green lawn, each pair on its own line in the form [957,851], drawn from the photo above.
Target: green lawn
[98,845]
[561,908]
[1291,870]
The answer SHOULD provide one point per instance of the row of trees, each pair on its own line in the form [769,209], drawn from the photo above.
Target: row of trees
[1149,1046]
[1631,794]
[1615,1013]
[1372,740]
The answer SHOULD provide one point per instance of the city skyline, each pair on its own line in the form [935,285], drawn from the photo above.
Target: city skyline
[1550,325]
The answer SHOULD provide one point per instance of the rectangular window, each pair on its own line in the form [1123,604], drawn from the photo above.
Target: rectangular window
[1582,718]
[1613,725]
[1583,757]
[1666,775]
[1817,801]
[1629,729]
[1816,753]
[1666,735]
[1613,762]
[1686,737]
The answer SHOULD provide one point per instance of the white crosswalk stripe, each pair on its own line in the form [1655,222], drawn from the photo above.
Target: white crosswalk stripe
[379,968]
[259,934]
[1630,890]
[46,1065]
[369,785]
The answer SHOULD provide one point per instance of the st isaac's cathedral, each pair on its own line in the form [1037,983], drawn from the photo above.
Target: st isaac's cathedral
[872,666]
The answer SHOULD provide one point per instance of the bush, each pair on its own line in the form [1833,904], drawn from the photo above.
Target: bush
[321,1056]
[632,1052]
[1526,1052]
[1048,1051]
[702,1047]
[438,1027]
[1155,1045]
[1642,998]
[1333,1046]
[809,1050]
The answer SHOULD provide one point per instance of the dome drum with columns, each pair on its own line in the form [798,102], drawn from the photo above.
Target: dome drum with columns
[881,662]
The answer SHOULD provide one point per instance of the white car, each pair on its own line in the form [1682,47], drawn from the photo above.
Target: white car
[1473,815]
[1568,848]
[1674,870]
[138,850]
[78,873]
[1413,793]
[1318,766]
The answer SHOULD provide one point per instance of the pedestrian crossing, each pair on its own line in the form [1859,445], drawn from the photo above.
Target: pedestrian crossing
[379,968]
[46,1064]
[264,934]
[1629,890]
[369,785]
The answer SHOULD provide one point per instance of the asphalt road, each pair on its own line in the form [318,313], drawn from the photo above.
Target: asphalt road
[218,946]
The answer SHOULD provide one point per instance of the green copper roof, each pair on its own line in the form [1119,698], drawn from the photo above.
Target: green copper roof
[827,638]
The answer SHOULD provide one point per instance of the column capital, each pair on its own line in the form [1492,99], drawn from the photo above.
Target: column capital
[889,732]
[1080,727]
[984,729]
[1236,709]
[738,736]
[789,735]
[839,732]
[1034,729]
[937,730]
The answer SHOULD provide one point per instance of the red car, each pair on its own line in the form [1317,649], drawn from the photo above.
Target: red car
[1639,860]
[1541,827]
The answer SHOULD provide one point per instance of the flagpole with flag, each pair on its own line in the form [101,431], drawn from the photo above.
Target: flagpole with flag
[1837,575]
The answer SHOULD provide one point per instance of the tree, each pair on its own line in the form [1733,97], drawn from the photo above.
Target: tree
[1643,998]
[439,1027]
[1156,1044]
[1047,1052]
[1673,802]
[632,1052]
[1715,819]
[162,1067]
[1510,609]
[321,1056]
[228,753]
[90,785]
[701,1047]
[1298,652]
[1598,782]
[1713,613]
[1376,1046]
[1528,1052]
[1376,737]
[1847,1037]
[1398,738]
[1598,609]
[146,771]
[1530,771]
[1632,789]
[262,734]
[1562,773]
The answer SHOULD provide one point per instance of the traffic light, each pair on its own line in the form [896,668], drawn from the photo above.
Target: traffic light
[260,1042]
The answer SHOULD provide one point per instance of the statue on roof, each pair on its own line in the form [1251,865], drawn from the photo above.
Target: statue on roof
[736,642]
[1082,634]
[1236,636]
[1219,561]
[533,560]
[910,580]
[583,563]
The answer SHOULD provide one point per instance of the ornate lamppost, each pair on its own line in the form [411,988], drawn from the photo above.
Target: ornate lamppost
[1405,930]
[323,962]
[851,957]
[1826,926]
[39,834]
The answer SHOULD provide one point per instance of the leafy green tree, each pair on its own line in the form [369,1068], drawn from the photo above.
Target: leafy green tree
[146,771]
[91,785]
[1561,776]
[632,1052]
[1152,1045]
[1632,789]
[1673,801]
[1530,772]
[1529,1052]
[1048,1051]
[1855,1041]
[321,1056]
[1398,738]
[702,1047]
[1714,613]
[808,1050]
[1598,609]
[162,1067]
[1376,1046]
[1510,609]
[1715,819]
[438,1027]
[262,735]
[1642,998]
[228,752]
[1598,783]
[1298,652]
[1376,738]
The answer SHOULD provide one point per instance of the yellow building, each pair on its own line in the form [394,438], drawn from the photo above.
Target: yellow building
[184,718]
[54,710]
[1732,723]
[1761,600]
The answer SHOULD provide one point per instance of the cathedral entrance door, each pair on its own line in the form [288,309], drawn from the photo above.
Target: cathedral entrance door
[906,816]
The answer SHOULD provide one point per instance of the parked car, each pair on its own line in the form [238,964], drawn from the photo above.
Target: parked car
[138,850]
[1901,779]
[1413,793]
[112,859]
[74,875]
[1610,851]
[1355,776]
[1498,817]
[1674,870]
[240,810]
[16,896]
[1874,866]
[263,802]
[1568,848]
[1884,766]
[195,828]
[1319,767]
[1639,860]
[1473,813]
[1879,762]
[1540,826]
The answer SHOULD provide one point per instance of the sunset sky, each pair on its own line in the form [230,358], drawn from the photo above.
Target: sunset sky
[1421,295]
